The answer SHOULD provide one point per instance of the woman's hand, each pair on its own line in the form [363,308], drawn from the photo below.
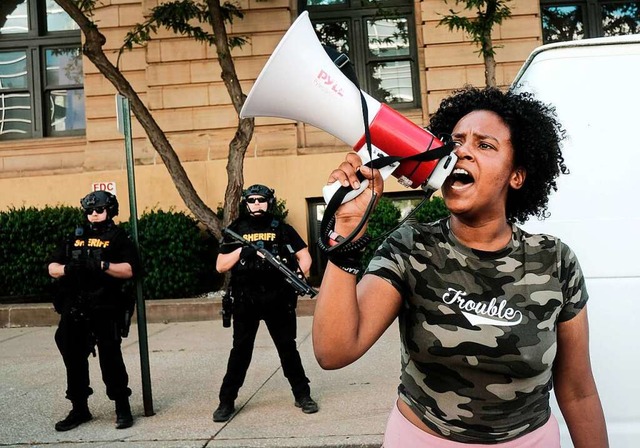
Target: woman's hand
[349,214]
[347,319]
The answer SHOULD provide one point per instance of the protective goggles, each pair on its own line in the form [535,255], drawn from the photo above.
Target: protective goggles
[90,210]
[257,199]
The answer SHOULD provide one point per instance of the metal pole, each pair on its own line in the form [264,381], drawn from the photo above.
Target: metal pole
[147,399]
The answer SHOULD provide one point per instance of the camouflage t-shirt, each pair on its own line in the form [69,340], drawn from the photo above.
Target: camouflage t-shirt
[478,329]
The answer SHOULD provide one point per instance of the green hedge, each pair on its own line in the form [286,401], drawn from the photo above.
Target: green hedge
[28,236]
[386,216]
[432,210]
[178,257]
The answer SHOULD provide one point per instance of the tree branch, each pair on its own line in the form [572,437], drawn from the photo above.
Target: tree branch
[92,48]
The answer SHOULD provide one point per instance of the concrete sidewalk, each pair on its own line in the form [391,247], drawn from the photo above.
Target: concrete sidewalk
[187,363]
[167,310]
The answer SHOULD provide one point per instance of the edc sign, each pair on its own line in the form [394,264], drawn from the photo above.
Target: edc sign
[105,186]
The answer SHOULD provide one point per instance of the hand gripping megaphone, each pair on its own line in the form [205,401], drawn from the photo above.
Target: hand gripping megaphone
[302,83]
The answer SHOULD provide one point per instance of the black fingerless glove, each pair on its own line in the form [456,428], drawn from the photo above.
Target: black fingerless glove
[73,268]
[247,252]
[93,265]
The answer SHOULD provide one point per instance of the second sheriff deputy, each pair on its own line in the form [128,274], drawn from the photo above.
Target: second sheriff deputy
[260,292]
[90,267]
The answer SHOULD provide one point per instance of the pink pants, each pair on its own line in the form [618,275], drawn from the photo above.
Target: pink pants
[401,433]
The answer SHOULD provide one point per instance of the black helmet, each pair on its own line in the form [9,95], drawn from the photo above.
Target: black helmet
[259,190]
[101,198]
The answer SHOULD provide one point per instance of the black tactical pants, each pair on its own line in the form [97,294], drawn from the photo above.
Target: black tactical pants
[75,338]
[281,323]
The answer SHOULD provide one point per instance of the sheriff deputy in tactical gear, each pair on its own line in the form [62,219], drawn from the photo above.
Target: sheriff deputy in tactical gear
[260,292]
[90,267]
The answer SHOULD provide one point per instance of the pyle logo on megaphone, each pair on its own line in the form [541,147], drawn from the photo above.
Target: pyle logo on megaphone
[294,85]
[326,80]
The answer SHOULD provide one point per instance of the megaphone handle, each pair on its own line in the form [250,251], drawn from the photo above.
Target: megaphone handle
[329,190]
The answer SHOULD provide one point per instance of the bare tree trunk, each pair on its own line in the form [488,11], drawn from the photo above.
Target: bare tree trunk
[244,132]
[490,71]
[92,48]
[487,48]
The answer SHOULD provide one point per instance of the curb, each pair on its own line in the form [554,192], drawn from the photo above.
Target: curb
[156,311]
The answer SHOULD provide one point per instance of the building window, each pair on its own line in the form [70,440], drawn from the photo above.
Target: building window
[565,21]
[379,38]
[41,78]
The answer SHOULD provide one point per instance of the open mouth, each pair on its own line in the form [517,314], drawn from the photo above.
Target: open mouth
[460,178]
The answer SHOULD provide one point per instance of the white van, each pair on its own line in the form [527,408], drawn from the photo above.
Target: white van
[595,86]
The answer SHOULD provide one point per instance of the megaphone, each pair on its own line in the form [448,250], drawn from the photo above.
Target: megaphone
[302,83]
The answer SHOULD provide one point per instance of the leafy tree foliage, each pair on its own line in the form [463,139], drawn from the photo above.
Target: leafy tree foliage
[178,17]
[488,14]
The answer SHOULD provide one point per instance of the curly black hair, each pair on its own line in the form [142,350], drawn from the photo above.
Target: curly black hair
[535,135]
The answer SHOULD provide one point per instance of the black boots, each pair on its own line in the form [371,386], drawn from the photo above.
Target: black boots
[79,414]
[124,419]
[224,412]
[307,404]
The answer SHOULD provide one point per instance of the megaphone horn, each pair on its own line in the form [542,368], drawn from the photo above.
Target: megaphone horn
[300,82]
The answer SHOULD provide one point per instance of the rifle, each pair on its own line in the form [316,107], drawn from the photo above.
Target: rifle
[297,283]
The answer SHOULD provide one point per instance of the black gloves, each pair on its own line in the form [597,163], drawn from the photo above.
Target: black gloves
[247,252]
[93,265]
[83,267]
[74,268]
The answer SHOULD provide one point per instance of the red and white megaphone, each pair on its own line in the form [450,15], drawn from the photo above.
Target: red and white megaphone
[300,82]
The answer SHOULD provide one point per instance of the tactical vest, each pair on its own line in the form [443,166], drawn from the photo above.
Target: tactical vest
[83,245]
[254,274]
[96,288]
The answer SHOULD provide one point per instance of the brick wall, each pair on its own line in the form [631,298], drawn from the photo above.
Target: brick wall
[180,82]
[450,58]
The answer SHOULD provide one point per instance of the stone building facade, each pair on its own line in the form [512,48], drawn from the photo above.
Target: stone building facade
[179,80]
